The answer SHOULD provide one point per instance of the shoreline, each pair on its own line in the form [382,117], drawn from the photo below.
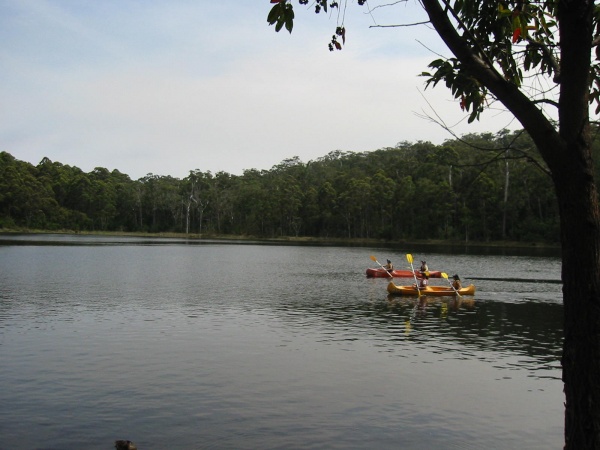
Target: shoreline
[299,240]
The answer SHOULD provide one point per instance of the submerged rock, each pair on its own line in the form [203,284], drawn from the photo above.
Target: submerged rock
[125,445]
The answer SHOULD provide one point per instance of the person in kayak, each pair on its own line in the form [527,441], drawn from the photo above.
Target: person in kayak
[424,267]
[456,284]
[389,266]
[424,281]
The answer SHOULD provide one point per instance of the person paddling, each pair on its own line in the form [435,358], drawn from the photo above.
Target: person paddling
[456,284]
[424,281]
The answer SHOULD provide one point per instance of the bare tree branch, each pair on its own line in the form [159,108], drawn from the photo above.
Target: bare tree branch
[400,25]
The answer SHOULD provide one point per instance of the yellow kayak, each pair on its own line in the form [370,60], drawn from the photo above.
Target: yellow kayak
[429,290]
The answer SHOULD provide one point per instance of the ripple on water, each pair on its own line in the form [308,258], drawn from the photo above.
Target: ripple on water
[249,346]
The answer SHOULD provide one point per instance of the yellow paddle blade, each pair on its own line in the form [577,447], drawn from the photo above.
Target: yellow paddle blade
[444,275]
[373,258]
[409,258]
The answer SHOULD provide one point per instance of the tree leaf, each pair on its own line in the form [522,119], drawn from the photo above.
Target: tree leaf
[274,14]
[516,35]
[289,18]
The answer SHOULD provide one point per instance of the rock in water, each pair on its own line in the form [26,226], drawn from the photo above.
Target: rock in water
[125,445]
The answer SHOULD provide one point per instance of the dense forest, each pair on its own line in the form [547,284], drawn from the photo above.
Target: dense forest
[480,187]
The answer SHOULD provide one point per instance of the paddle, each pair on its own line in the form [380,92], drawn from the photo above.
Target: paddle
[445,275]
[410,260]
[375,259]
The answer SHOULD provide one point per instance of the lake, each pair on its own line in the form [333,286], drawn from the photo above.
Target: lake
[199,344]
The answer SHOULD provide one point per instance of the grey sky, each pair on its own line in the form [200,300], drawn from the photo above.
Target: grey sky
[168,87]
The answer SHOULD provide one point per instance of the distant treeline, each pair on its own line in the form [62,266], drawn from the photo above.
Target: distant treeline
[481,187]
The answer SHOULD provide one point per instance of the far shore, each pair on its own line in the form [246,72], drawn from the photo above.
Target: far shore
[298,240]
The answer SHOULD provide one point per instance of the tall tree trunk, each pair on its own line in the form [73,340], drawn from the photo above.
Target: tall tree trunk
[187,216]
[580,237]
[580,231]
[505,202]
[139,201]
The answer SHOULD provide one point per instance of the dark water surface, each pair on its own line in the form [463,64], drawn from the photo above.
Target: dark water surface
[179,344]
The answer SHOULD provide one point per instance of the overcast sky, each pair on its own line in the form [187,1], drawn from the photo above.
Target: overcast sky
[166,87]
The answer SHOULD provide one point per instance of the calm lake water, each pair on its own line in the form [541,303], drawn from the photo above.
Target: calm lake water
[179,344]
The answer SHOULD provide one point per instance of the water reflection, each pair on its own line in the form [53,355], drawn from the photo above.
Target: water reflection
[529,331]
[457,249]
[256,346]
